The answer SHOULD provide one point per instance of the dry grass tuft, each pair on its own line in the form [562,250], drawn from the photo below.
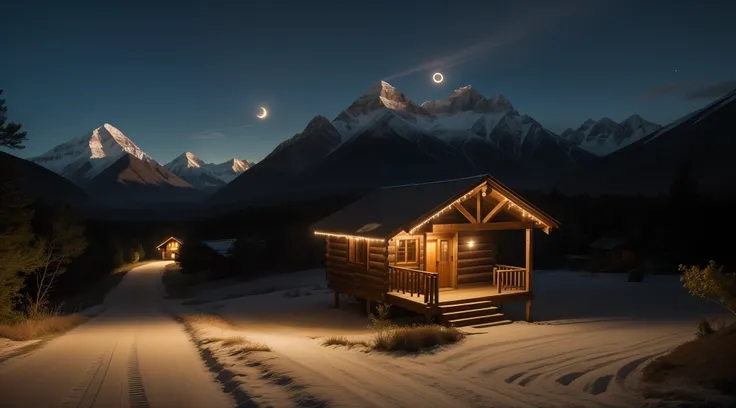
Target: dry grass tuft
[41,326]
[410,339]
[197,325]
[416,338]
[232,341]
[206,319]
[343,341]
[249,347]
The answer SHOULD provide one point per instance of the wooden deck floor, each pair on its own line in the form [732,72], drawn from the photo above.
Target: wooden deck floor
[468,292]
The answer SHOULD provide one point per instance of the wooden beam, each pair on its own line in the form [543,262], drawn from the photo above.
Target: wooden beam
[529,258]
[464,212]
[495,210]
[477,206]
[491,226]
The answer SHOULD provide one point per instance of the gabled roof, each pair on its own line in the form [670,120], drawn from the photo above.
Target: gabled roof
[387,211]
[170,239]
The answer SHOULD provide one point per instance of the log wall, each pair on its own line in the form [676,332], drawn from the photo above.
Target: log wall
[369,281]
[475,264]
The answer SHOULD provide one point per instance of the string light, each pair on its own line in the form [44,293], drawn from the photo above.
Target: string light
[327,234]
[525,214]
[511,205]
[442,211]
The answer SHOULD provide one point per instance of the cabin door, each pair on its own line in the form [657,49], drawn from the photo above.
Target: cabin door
[431,256]
[444,262]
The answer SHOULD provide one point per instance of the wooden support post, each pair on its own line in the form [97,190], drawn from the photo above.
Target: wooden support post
[529,267]
[367,306]
[529,258]
[477,206]
[337,300]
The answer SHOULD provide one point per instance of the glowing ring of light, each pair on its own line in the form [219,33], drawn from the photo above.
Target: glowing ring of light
[438,80]
[263,113]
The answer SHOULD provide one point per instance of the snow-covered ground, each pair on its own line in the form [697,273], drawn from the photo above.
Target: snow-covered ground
[133,354]
[593,335]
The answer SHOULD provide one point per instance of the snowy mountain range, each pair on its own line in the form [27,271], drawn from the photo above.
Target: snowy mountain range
[383,137]
[605,136]
[206,176]
[108,164]
[698,146]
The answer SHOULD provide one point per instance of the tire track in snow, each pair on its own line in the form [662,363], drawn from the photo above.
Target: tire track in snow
[74,398]
[136,391]
[85,393]
[599,360]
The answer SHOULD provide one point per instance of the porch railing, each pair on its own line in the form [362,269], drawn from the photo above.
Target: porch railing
[509,277]
[414,282]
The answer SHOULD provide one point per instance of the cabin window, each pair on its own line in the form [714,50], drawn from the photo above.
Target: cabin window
[406,250]
[357,251]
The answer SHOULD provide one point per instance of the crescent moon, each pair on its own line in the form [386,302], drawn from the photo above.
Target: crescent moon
[438,77]
[263,113]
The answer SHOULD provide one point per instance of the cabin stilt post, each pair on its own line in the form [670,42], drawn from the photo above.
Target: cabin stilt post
[368,306]
[337,300]
[529,267]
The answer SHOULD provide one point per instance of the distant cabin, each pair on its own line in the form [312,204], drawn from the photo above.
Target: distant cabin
[170,248]
[432,248]
[609,254]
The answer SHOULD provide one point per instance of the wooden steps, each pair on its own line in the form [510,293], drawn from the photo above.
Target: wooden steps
[471,312]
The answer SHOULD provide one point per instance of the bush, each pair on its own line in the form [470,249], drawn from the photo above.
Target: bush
[415,338]
[390,337]
[711,283]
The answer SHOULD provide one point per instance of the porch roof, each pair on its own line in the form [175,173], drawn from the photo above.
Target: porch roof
[387,211]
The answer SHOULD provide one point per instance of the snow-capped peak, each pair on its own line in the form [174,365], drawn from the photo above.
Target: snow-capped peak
[499,103]
[588,124]
[238,166]
[86,156]
[202,174]
[381,99]
[185,160]
[468,99]
[462,90]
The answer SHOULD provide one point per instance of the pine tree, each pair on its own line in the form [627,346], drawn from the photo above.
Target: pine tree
[10,134]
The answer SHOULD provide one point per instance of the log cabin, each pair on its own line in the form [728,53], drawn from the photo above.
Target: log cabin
[432,248]
[170,248]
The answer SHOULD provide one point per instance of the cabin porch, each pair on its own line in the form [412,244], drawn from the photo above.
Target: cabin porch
[467,304]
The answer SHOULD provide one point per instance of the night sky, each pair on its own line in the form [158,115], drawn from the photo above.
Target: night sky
[189,76]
